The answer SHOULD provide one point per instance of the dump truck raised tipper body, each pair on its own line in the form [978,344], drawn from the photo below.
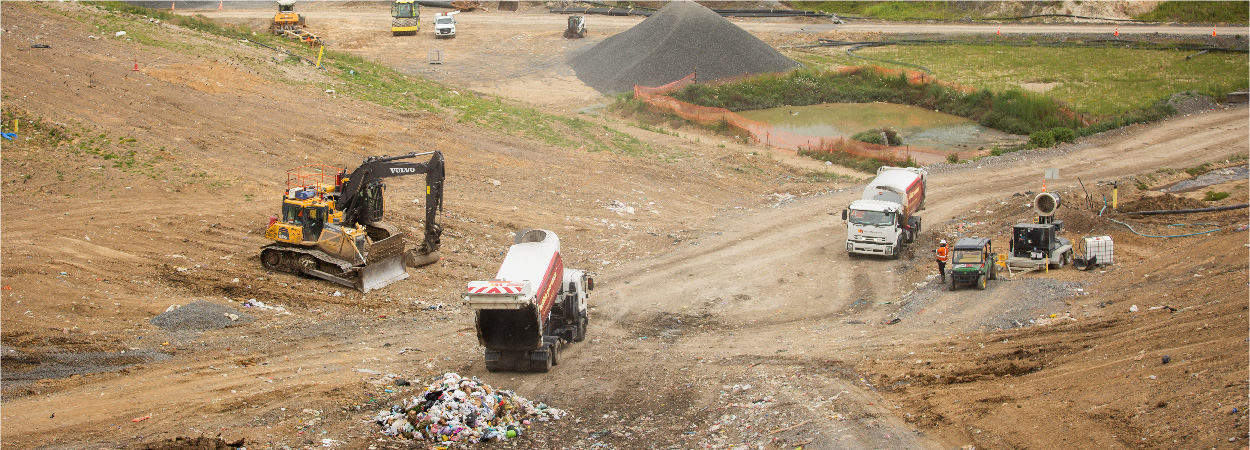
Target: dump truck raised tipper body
[532,307]
[884,218]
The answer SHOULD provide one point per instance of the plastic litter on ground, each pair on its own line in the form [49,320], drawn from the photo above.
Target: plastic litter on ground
[466,410]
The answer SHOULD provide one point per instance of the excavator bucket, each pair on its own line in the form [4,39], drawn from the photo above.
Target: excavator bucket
[378,274]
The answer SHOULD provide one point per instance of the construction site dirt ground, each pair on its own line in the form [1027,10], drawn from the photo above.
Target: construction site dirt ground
[726,313]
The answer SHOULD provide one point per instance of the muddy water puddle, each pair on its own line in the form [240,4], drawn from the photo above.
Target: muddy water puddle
[919,127]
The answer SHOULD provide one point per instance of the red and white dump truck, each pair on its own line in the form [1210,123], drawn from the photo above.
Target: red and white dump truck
[884,219]
[532,307]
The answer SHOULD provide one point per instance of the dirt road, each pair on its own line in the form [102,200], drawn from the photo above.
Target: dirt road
[725,315]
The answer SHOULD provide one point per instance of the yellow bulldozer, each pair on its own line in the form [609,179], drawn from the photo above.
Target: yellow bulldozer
[330,227]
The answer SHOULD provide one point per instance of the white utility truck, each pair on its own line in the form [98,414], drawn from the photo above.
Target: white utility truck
[884,218]
[445,25]
[532,307]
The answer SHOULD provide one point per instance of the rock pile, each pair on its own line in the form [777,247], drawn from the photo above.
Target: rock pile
[463,410]
[200,316]
[679,39]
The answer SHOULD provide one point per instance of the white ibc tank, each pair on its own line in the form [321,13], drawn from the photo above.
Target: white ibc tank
[1100,247]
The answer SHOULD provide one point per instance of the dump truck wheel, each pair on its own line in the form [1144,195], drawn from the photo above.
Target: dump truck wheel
[542,365]
[580,334]
[981,282]
[493,366]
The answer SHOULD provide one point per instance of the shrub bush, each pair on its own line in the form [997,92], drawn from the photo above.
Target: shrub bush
[1042,139]
[873,136]
[1063,134]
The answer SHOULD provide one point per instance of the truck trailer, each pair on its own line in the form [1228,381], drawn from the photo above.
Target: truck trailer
[884,218]
[532,307]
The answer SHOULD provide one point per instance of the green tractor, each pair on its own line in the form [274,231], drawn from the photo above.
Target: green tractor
[973,261]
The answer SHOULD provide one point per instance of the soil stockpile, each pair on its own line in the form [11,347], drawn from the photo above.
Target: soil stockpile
[679,39]
[1163,202]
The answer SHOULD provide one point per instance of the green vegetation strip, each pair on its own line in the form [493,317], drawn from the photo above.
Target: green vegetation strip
[1012,111]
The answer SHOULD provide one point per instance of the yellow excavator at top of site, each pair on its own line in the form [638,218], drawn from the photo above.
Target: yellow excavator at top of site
[286,19]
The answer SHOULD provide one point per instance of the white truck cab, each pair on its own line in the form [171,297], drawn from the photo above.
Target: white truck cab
[445,25]
[873,228]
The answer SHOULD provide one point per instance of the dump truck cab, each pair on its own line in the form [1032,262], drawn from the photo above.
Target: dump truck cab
[973,261]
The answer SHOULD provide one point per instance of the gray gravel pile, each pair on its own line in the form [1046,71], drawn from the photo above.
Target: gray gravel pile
[680,38]
[199,316]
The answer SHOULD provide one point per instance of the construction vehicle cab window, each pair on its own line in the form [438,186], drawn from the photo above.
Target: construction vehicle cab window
[877,218]
[968,257]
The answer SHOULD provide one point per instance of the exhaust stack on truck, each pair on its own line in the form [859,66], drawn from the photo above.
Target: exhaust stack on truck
[531,307]
[884,218]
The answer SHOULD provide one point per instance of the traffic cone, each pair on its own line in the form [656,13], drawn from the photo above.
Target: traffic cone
[1117,31]
[1212,30]
[1000,30]
[136,64]
[219,4]
[171,6]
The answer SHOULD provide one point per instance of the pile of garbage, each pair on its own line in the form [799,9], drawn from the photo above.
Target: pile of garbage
[463,410]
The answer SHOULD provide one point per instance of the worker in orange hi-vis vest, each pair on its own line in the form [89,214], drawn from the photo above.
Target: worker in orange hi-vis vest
[943,255]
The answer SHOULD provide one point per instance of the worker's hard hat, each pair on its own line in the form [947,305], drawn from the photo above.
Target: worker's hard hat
[942,242]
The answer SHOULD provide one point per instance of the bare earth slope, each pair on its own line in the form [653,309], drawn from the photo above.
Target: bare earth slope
[722,318]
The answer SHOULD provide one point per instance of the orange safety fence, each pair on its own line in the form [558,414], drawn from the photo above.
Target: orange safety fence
[767,134]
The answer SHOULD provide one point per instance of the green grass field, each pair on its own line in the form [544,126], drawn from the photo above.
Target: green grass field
[1100,82]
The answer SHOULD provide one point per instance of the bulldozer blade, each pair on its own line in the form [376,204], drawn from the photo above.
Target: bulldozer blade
[381,273]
